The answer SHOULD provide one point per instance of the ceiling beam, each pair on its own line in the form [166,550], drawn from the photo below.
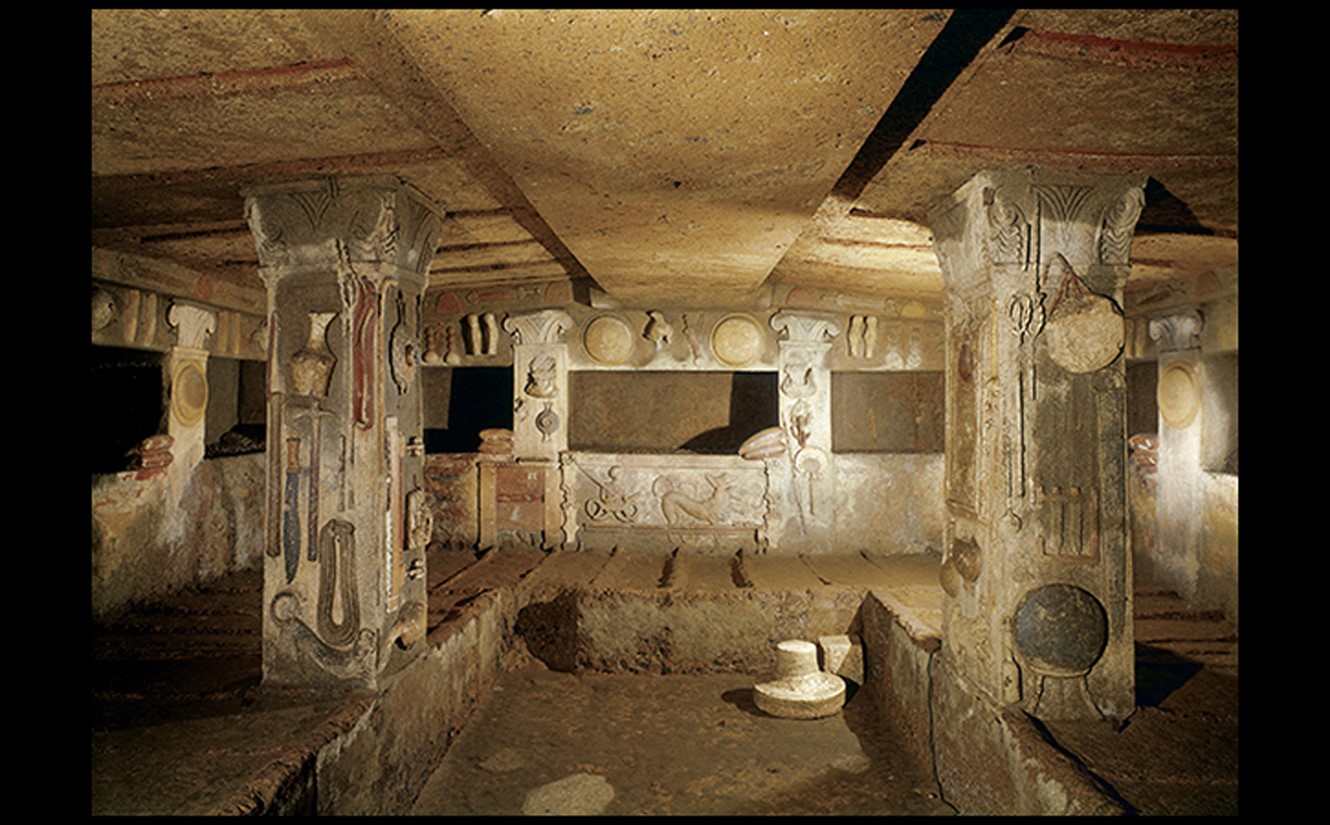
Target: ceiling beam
[365,37]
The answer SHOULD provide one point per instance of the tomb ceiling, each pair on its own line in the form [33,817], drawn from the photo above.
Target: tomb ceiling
[663,156]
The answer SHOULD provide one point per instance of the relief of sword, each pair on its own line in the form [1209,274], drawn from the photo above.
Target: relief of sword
[291,508]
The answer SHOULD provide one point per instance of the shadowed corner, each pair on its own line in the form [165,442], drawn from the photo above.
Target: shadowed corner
[742,698]
[1159,672]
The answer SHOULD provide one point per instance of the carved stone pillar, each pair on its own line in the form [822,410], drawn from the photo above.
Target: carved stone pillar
[345,263]
[187,377]
[805,416]
[1036,566]
[1179,505]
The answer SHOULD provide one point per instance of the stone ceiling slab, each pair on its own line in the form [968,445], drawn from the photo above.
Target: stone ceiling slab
[671,147]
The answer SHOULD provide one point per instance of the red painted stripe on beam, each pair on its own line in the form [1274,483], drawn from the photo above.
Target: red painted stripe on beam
[311,66]
[1127,53]
[941,147]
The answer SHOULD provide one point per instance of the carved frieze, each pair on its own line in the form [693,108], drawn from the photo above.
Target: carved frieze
[1118,226]
[805,328]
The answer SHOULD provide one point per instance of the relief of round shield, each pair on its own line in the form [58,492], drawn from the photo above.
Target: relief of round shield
[1084,333]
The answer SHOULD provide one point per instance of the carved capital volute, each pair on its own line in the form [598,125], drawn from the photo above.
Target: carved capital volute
[192,324]
[376,225]
[805,328]
[544,327]
[1178,331]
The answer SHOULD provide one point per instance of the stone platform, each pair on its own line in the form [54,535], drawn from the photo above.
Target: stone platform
[181,724]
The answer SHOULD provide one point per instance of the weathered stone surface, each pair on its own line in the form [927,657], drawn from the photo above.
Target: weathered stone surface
[582,794]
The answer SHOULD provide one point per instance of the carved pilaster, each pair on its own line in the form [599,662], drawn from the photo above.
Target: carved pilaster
[1034,263]
[540,383]
[345,263]
[805,415]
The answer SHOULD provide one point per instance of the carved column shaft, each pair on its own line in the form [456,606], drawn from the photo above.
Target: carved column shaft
[345,263]
[1036,565]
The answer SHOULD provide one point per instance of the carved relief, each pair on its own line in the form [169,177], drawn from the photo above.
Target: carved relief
[491,333]
[189,393]
[419,519]
[312,364]
[1178,331]
[291,508]
[337,566]
[375,220]
[354,662]
[1118,226]
[1071,522]
[809,464]
[1010,229]
[798,380]
[541,376]
[682,509]
[547,421]
[1178,395]
[763,445]
[403,351]
[805,328]
[658,331]
[1084,331]
[613,501]
[475,344]
[737,341]
[365,318]
[544,327]
[861,339]
[103,309]
[608,340]
[694,348]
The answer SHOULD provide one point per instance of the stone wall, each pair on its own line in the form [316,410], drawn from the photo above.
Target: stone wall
[152,536]
[890,503]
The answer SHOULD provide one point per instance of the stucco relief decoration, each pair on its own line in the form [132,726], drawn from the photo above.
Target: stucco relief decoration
[683,507]
[403,350]
[1010,231]
[809,463]
[1084,331]
[608,340]
[193,325]
[541,376]
[763,445]
[1118,226]
[1178,395]
[365,317]
[1060,631]
[614,501]
[804,329]
[1178,331]
[861,339]
[658,330]
[420,519]
[312,364]
[737,341]
[367,220]
[547,422]
[544,327]
[103,309]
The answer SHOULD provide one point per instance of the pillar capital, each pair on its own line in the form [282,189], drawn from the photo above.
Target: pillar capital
[379,226]
[193,325]
[1021,220]
[1177,331]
